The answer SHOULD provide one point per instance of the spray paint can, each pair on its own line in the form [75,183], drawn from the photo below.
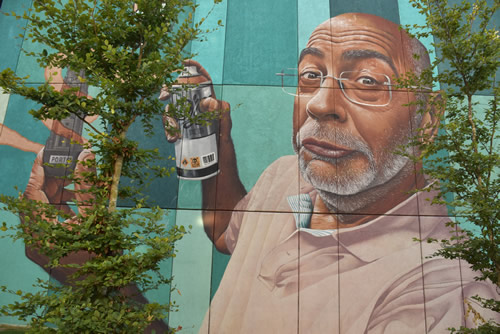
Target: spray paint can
[196,151]
[60,155]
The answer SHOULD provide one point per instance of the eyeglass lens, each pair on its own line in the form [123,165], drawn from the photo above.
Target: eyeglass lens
[362,87]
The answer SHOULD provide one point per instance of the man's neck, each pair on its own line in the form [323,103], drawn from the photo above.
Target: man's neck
[331,211]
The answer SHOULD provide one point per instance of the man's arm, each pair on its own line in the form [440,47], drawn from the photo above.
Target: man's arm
[223,192]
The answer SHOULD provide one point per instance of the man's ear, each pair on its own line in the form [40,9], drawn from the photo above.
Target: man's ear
[432,117]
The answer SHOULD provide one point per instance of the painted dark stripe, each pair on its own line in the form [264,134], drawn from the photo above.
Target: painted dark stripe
[387,9]
[261,38]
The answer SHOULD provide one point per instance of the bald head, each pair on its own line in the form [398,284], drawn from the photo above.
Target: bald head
[399,47]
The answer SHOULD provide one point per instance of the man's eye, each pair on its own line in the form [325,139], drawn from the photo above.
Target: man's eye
[310,75]
[367,81]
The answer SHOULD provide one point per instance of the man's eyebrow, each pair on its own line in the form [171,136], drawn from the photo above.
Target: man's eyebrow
[364,54]
[311,51]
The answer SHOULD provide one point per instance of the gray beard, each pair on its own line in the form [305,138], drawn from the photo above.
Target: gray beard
[353,203]
[348,192]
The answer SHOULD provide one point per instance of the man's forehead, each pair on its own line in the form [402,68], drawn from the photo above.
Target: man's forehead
[390,40]
[350,22]
[359,31]
[347,55]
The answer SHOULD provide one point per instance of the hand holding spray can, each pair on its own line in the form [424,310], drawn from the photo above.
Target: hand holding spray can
[60,154]
[196,150]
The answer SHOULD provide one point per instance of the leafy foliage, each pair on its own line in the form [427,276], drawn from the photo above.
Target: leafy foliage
[464,154]
[128,50]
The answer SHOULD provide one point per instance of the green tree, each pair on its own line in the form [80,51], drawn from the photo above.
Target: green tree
[128,50]
[463,152]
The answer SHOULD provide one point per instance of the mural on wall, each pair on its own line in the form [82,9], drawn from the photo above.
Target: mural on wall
[317,234]
[342,259]
[61,154]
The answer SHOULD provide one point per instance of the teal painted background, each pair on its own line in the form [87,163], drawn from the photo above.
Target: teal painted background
[259,39]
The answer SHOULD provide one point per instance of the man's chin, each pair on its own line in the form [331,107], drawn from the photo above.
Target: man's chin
[346,196]
[340,188]
[337,182]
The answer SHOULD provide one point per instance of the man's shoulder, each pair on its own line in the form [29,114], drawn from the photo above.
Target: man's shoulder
[283,170]
[269,194]
[276,183]
[287,164]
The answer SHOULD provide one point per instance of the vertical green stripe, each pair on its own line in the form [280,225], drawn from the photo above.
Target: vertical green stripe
[210,53]
[261,38]
[310,15]
[10,30]
[387,9]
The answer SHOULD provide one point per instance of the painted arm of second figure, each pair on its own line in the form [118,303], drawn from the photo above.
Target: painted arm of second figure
[51,190]
[53,75]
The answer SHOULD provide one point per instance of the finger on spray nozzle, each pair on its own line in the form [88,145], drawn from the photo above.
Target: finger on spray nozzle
[201,69]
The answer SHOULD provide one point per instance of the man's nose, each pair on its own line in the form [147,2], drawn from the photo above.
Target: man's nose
[328,102]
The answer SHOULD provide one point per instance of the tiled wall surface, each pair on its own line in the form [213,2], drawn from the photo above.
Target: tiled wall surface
[367,278]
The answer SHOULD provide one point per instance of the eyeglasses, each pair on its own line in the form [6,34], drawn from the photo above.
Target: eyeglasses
[364,87]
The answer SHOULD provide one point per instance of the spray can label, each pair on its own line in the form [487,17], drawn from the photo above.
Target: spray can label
[197,159]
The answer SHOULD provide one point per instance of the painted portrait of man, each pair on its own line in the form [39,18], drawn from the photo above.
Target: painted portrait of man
[314,223]
[324,241]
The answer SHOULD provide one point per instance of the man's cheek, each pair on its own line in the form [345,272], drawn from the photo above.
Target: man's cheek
[296,139]
[295,143]
[299,113]
[295,132]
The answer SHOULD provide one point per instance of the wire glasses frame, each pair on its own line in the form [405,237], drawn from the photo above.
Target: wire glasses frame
[364,87]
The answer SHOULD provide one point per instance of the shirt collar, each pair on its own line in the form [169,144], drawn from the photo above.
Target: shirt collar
[387,233]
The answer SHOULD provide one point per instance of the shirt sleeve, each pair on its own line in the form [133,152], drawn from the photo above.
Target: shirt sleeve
[271,184]
[234,226]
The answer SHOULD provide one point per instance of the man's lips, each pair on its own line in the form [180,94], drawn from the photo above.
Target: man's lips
[325,149]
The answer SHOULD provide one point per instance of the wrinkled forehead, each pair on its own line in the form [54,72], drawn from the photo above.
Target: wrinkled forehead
[361,32]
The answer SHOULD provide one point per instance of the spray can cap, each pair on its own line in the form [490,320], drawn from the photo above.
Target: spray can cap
[189,71]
